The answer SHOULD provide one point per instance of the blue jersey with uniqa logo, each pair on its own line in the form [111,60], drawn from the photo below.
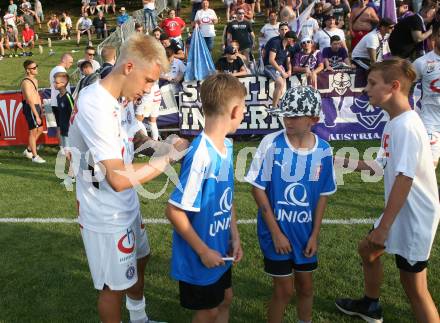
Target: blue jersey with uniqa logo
[293,181]
[206,195]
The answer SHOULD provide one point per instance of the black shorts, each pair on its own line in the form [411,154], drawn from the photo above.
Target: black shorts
[404,265]
[286,267]
[249,1]
[196,297]
[56,113]
[30,117]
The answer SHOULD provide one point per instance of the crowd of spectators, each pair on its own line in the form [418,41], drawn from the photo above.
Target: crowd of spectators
[21,23]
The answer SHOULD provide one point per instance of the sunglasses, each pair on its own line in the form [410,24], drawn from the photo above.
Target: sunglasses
[91,54]
[240,13]
[306,42]
[33,68]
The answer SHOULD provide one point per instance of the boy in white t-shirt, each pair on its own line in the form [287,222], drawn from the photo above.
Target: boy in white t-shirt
[102,137]
[411,215]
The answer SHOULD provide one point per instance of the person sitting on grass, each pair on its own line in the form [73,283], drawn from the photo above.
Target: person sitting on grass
[408,224]
[53,25]
[335,56]
[12,41]
[83,27]
[206,241]
[231,63]
[28,39]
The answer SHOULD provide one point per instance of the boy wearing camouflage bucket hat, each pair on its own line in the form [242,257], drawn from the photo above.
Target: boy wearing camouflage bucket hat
[292,175]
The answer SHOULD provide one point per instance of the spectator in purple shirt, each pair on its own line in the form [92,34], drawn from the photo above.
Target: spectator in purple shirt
[308,61]
[336,55]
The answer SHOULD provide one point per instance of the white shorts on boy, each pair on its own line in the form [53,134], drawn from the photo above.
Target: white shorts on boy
[113,257]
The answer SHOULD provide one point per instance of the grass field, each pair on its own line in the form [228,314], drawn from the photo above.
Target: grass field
[45,277]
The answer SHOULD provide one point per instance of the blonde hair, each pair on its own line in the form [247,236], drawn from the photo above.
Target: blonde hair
[108,53]
[144,48]
[396,68]
[217,91]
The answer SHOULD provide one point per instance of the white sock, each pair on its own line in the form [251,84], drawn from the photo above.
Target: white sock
[154,131]
[136,309]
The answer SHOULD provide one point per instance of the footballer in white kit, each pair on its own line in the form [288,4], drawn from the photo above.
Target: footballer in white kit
[428,71]
[111,225]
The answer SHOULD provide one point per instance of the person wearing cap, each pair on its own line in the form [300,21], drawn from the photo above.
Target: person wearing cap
[403,9]
[374,46]
[123,17]
[167,42]
[362,21]
[308,61]
[291,207]
[322,37]
[230,63]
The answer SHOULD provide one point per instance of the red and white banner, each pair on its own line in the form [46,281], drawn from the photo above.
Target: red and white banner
[14,130]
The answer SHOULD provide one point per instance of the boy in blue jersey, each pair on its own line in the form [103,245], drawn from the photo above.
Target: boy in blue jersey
[292,175]
[206,240]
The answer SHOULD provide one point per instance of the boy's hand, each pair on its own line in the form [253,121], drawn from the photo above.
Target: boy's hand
[377,237]
[211,258]
[311,248]
[281,243]
[237,251]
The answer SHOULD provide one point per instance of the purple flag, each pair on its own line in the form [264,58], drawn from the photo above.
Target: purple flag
[297,24]
[388,10]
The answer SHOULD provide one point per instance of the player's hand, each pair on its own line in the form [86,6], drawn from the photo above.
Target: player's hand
[281,243]
[311,247]
[376,238]
[211,258]
[237,251]
[38,119]
[178,149]
[284,75]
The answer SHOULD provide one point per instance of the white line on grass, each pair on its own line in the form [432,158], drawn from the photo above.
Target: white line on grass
[165,221]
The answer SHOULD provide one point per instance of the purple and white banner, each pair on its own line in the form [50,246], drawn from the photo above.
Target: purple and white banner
[346,113]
